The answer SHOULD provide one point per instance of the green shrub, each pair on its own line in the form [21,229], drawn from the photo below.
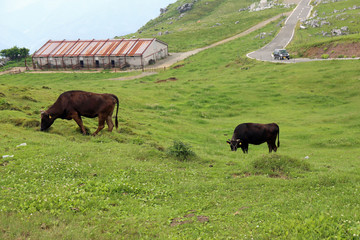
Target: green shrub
[180,150]
[325,56]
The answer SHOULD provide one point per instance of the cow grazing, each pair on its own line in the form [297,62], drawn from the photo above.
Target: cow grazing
[74,104]
[255,133]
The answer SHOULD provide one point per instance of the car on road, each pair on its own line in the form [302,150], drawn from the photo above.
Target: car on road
[281,54]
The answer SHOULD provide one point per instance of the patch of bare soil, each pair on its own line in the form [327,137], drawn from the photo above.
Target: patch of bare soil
[188,218]
[172,79]
[14,70]
[178,66]
[335,50]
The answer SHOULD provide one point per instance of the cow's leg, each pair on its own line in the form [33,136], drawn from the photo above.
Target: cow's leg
[110,123]
[101,124]
[274,147]
[79,122]
[245,147]
[273,144]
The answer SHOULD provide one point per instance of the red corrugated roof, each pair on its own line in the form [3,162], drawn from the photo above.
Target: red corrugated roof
[110,47]
[139,47]
[77,48]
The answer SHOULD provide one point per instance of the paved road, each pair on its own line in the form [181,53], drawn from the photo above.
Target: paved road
[301,12]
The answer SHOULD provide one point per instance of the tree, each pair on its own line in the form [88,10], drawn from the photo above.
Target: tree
[15,53]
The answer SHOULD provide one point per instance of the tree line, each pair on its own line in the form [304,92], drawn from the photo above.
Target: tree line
[15,53]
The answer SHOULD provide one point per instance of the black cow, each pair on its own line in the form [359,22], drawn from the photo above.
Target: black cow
[255,133]
[74,104]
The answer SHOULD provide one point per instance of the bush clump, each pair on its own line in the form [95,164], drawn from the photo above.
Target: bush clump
[325,56]
[181,151]
[279,166]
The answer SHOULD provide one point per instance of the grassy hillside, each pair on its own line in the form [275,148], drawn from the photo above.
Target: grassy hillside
[332,31]
[208,22]
[126,185]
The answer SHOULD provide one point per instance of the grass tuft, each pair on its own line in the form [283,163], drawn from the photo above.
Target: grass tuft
[275,165]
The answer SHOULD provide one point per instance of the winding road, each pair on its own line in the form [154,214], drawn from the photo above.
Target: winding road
[301,12]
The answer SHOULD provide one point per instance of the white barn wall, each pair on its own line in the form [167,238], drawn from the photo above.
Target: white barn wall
[156,51]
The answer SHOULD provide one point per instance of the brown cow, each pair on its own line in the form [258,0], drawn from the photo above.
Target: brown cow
[74,104]
[255,133]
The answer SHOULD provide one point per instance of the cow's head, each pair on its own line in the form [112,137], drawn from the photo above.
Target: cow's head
[46,120]
[234,144]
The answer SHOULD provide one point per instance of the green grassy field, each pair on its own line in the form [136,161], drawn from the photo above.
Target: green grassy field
[126,185]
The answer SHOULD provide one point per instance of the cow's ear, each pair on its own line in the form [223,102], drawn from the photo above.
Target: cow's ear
[228,142]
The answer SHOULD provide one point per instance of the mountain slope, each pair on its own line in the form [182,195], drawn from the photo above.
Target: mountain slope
[207,22]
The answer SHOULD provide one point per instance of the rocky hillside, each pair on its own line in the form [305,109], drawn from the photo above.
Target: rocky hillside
[331,31]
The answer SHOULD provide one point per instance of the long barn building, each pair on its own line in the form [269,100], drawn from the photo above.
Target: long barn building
[111,53]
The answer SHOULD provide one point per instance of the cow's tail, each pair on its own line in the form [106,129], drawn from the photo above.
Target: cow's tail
[117,110]
[278,144]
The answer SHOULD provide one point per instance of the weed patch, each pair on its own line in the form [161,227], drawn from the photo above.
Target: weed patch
[181,151]
[278,166]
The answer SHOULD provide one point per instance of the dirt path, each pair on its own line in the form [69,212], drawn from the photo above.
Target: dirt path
[14,70]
